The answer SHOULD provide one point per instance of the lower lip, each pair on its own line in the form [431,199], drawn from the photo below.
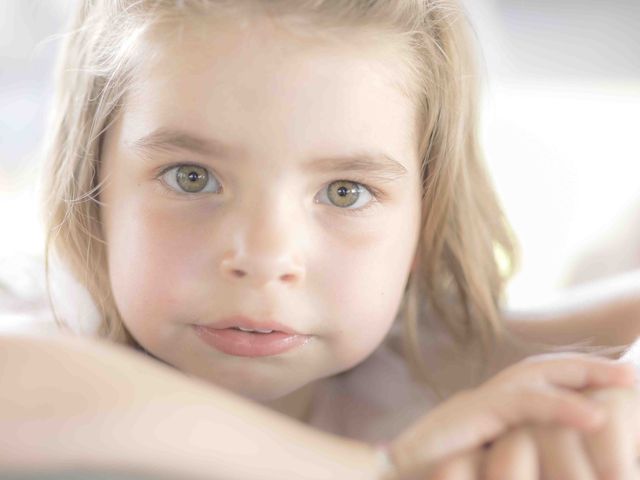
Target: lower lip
[245,344]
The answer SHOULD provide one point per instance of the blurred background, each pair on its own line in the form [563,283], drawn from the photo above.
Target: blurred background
[560,129]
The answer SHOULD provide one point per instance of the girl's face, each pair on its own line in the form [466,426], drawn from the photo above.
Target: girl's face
[255,174]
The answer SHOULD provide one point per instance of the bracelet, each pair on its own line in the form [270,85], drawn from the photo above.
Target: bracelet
[388,468]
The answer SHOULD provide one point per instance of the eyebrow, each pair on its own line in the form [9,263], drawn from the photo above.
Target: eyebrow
[378,164]
[170,139]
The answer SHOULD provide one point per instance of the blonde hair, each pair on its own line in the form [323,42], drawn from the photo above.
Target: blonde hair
[458,279]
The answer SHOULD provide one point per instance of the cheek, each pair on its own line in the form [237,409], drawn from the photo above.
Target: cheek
[368,267]
[366,285]
[152,264]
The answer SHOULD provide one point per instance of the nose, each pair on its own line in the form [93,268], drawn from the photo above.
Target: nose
[266,249]
[259,271]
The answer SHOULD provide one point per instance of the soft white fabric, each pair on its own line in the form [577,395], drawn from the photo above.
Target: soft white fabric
[25,306]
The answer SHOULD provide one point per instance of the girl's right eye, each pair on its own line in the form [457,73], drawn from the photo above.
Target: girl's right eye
[190,179]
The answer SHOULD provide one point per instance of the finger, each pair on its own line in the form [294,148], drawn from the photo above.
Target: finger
[551,406]
[466,466]
[470,419]
[512,456]
[613,447]
[633,414]
[578,371]
[562,454]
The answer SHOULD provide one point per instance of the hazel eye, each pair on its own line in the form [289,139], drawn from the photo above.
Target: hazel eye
[347,195]
[190,179]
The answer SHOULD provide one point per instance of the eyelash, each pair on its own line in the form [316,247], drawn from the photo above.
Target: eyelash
[376,194]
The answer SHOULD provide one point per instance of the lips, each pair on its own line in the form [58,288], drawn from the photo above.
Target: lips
[241,344]
[251,323]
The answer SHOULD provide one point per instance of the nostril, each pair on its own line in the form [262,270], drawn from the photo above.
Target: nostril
[239,273]
[288,277]
[261,271]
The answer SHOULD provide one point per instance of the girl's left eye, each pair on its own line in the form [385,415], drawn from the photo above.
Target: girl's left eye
[190,179]
[346,195]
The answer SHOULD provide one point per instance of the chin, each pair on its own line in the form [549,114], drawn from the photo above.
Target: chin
[260,390]
[265,395]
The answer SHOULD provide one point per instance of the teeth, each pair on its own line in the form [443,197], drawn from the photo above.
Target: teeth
[251,330]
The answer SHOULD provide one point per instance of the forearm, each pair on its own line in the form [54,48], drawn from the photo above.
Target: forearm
[607,311]
[69,404]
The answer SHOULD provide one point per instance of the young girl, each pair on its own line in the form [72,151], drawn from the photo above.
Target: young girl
[261,197]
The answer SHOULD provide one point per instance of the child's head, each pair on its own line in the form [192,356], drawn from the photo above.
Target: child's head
[305,162]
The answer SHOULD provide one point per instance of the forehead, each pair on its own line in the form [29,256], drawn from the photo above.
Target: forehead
[264,88]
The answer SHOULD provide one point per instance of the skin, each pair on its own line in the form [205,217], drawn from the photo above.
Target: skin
[270,244]
[540,390]
[544,451]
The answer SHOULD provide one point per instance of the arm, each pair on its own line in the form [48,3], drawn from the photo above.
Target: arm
[608,311]
[69,404]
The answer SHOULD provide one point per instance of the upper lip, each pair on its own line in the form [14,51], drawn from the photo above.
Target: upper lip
[248,322]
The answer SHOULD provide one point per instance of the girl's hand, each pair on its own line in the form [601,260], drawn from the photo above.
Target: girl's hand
[546,452]
[611,452]
[513,456]
[615,448]
[539,389]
